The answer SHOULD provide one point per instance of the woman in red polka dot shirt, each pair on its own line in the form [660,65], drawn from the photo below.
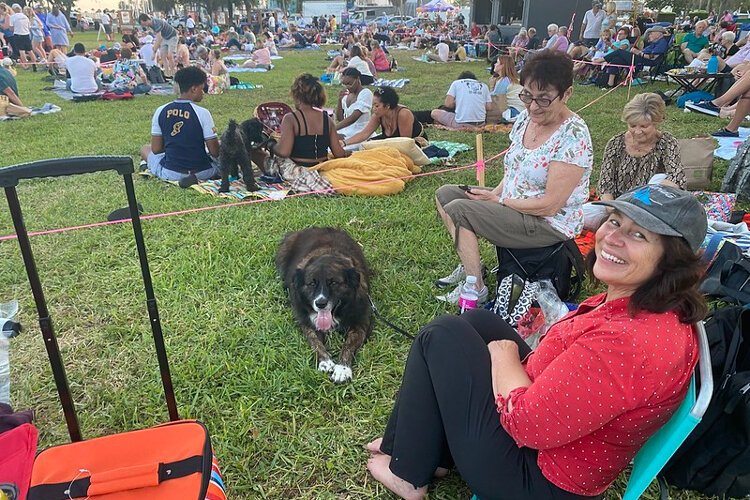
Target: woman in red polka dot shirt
[563,421]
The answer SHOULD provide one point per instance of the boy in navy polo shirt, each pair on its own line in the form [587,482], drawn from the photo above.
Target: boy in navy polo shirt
[184,144]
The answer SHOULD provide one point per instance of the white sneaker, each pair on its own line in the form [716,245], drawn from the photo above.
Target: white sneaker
[452,297]
[457,276]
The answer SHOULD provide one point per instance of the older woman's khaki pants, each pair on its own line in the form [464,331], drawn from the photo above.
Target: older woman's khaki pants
[500,225]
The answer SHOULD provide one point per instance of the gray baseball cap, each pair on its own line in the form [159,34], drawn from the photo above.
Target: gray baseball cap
[664,210]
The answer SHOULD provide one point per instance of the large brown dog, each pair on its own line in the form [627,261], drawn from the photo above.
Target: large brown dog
[328,281]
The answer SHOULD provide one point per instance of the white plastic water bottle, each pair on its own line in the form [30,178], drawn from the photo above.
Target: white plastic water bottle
[8,330]
[469,298]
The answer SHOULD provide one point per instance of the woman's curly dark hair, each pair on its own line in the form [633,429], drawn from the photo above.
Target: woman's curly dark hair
[306,89]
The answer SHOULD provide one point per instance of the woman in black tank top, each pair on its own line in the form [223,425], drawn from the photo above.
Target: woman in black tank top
[308,132]
[393,119]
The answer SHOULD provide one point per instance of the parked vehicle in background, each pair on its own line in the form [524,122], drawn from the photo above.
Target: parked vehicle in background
[362,17]
[380,22]
[317,8]
[396,21]
[177,21]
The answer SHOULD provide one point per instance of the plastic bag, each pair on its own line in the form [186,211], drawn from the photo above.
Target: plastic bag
[552,309]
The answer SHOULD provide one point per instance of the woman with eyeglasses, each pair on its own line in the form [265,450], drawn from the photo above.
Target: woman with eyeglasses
[392,118]
[539,201]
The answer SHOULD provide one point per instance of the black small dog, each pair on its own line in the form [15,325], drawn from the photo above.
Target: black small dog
[238,142]
[328,280]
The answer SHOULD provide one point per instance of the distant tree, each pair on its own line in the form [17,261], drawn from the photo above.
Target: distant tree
[67,6]
[677,5]
[164,5]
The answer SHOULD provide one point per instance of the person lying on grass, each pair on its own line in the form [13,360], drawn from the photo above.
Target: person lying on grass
[184,143]
[561,422]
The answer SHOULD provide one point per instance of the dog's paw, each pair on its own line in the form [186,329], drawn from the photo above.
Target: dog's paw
[327,365]
[341,374]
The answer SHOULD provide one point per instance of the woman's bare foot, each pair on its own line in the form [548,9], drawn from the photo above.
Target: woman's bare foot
[374,446]
[378,465]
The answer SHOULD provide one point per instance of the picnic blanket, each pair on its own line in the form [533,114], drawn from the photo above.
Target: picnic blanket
[425,60]
[245,86]
[373,172]
[244,56]
[240,69]
[396,84]
[312,46]
[490,127]
[237,189]
[728,145]
[64,93]
[453,149]
[46,109]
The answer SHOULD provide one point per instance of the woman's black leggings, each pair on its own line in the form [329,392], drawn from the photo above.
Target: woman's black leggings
[445,414]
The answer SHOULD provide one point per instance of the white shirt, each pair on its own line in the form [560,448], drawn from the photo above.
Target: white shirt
[272,23]
[146,52]
[593,23]
[82,71]
[442,51]
[363,104]
[106,19]
[472,98]
[20,23]
[361,65]
[190,24]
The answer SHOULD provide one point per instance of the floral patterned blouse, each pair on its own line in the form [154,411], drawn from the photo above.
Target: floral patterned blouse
[621,172]
[526,170]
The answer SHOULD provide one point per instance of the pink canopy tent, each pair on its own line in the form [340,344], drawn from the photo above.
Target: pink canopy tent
[437,6]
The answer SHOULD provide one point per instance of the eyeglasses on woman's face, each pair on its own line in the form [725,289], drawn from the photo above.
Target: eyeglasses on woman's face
[542,102]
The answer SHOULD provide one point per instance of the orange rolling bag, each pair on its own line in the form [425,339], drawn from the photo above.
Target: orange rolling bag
[173,461]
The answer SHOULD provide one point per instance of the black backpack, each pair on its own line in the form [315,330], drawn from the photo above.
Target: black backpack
[737,178]
[155,75]
[715,458]
[520,270]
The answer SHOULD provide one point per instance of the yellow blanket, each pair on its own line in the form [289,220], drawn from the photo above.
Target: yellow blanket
[374,172]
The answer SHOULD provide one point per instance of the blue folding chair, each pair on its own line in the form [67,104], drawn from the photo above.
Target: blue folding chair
[660,447]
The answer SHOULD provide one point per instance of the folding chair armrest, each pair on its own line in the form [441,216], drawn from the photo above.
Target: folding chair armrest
[704,369]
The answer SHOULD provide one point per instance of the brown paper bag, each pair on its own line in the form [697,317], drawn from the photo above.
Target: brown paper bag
[698,161]
[499,105]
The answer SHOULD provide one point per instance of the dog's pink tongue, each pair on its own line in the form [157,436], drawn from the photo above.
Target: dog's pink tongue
[324,321]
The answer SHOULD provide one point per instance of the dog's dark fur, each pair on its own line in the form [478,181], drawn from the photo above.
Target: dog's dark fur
[325,267]
[238,143]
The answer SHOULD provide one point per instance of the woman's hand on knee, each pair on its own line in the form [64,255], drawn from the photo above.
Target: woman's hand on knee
[483,195]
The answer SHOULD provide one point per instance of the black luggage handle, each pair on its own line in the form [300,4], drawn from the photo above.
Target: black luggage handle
[75,165]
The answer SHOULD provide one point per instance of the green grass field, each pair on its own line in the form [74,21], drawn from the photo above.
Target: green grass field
[280,428]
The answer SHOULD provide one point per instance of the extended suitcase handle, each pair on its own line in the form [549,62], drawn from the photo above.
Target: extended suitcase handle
[65,166]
